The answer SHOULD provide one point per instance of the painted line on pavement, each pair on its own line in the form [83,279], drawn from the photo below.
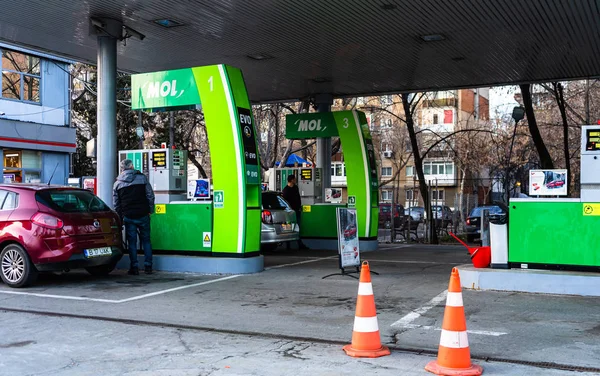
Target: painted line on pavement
[301,262]
[66,297]
[161,292]
[178,288]
[82,298]
[412,316]
[407,321]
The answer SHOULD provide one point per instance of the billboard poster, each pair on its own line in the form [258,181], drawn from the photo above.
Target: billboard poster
[348,246]
[333,195]
[548,182]
[199,189]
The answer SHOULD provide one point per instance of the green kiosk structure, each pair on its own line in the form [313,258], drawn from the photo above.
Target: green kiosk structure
[554,233]
[221,235]
[318,229]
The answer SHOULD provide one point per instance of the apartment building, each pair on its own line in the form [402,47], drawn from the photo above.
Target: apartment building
[36,140]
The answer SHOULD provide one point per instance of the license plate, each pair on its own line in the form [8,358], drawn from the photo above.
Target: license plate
[96,252]
[287,227]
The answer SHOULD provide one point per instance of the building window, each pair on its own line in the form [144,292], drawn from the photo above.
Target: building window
[386,195]
[438,168]
[22,166]
[412,194]
[387,100]
[337,169]
[21,76]
[437,195]
[386,171]
[410,171]
[435,119]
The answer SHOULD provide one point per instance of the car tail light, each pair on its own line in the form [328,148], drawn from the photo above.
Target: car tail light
[267,217]
[47,221]
[468,221]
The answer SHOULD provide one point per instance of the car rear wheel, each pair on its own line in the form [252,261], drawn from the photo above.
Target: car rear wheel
[470,238]
[16,268]
[101,270]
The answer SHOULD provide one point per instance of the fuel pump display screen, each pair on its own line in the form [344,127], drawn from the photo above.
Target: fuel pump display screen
[159,159]
[593,140]
[306,174]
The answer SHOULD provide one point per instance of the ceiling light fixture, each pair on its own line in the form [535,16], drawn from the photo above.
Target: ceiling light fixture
[260,56]
[167,23]
[433,37]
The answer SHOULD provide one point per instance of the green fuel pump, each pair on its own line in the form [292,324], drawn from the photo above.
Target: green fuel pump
[228,226]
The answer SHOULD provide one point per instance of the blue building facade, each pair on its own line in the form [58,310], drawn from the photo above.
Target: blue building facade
[36,137]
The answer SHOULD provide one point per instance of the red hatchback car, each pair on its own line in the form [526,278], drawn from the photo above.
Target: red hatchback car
[47,228]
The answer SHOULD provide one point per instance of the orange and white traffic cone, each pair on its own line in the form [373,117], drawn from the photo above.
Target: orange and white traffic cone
[454,356]
[366,342]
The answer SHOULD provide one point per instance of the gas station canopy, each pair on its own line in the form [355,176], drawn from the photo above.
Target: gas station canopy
[296,48]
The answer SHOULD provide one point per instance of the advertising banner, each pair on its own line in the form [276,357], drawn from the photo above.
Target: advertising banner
[333,195]
[348,246]
[548,182]
[199,189]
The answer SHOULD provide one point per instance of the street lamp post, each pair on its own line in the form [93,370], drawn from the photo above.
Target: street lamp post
[518,114]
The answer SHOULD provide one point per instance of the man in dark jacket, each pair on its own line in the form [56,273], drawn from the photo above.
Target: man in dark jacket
[133,199]
[291,194]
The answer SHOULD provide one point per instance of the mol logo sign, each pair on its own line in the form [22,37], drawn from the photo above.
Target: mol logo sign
[309,125]
[301,126]
[158,89]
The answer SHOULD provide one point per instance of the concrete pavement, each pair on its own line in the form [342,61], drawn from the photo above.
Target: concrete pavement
[62,347]
[290,301]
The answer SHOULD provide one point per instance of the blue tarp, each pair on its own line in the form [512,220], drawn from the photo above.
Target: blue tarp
[292,159]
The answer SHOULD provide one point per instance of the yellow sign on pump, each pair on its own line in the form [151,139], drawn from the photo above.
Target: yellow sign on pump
[306,208]
[160,209]
[590,209]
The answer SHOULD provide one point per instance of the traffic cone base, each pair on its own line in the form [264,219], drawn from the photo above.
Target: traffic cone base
[454,355]
[366,342]
[436,369]
[383,351]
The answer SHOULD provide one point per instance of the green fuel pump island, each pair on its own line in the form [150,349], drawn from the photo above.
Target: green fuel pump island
[225,231]
[318,228]
[554,233]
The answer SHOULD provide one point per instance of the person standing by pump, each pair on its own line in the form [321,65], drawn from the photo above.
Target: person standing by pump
[133,200]
[291,194]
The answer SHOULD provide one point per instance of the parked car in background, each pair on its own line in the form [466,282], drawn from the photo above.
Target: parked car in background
[473,222]
[46,228]
[442,215]
[416,213]
[385,215]
[279,223]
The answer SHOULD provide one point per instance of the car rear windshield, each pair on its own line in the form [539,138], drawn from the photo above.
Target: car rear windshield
[493,210]
[71,201]
[273,201]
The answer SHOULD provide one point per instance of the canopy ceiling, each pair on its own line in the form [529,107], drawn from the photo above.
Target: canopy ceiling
[345,48]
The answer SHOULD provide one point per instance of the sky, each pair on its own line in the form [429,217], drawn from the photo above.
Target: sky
[502,101]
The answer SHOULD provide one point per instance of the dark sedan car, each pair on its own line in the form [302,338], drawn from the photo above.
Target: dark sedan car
[473,223]
[48,228]
[385,216]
